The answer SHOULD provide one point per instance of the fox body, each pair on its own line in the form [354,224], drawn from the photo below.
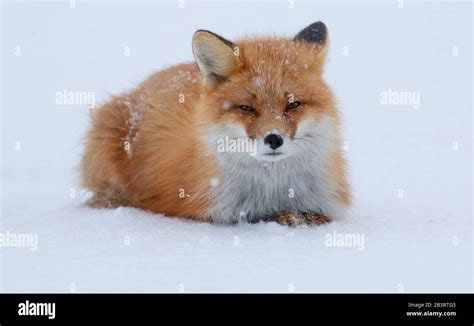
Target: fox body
[159,147]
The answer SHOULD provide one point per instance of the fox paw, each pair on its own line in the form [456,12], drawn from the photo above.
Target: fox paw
[99,200]
[293,219]
[315,219]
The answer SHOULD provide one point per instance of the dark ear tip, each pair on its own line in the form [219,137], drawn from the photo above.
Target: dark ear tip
[314,33]
[202,31]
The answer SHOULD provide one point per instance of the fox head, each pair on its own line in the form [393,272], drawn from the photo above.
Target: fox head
[268,92]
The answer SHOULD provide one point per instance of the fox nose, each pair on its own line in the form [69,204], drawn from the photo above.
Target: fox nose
[273,140]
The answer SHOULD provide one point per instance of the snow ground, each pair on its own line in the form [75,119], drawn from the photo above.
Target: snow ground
[421,242]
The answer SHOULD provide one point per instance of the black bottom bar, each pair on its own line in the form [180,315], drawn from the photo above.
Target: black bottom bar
[418,308]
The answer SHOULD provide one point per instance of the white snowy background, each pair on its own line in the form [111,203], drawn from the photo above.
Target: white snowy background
[420,241]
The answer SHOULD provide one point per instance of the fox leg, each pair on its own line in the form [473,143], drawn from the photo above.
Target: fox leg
[299,218]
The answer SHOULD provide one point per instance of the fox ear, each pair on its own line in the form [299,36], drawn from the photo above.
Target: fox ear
[215,56]
[314,33]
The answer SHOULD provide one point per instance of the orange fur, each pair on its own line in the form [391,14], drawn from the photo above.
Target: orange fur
[145,148]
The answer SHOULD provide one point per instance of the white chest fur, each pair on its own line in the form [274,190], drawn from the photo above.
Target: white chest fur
[251,189]
[252,192]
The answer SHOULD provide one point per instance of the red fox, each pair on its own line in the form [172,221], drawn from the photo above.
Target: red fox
[250,131]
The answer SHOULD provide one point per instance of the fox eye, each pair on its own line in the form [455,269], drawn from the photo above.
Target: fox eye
[293,105]
[247,108]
